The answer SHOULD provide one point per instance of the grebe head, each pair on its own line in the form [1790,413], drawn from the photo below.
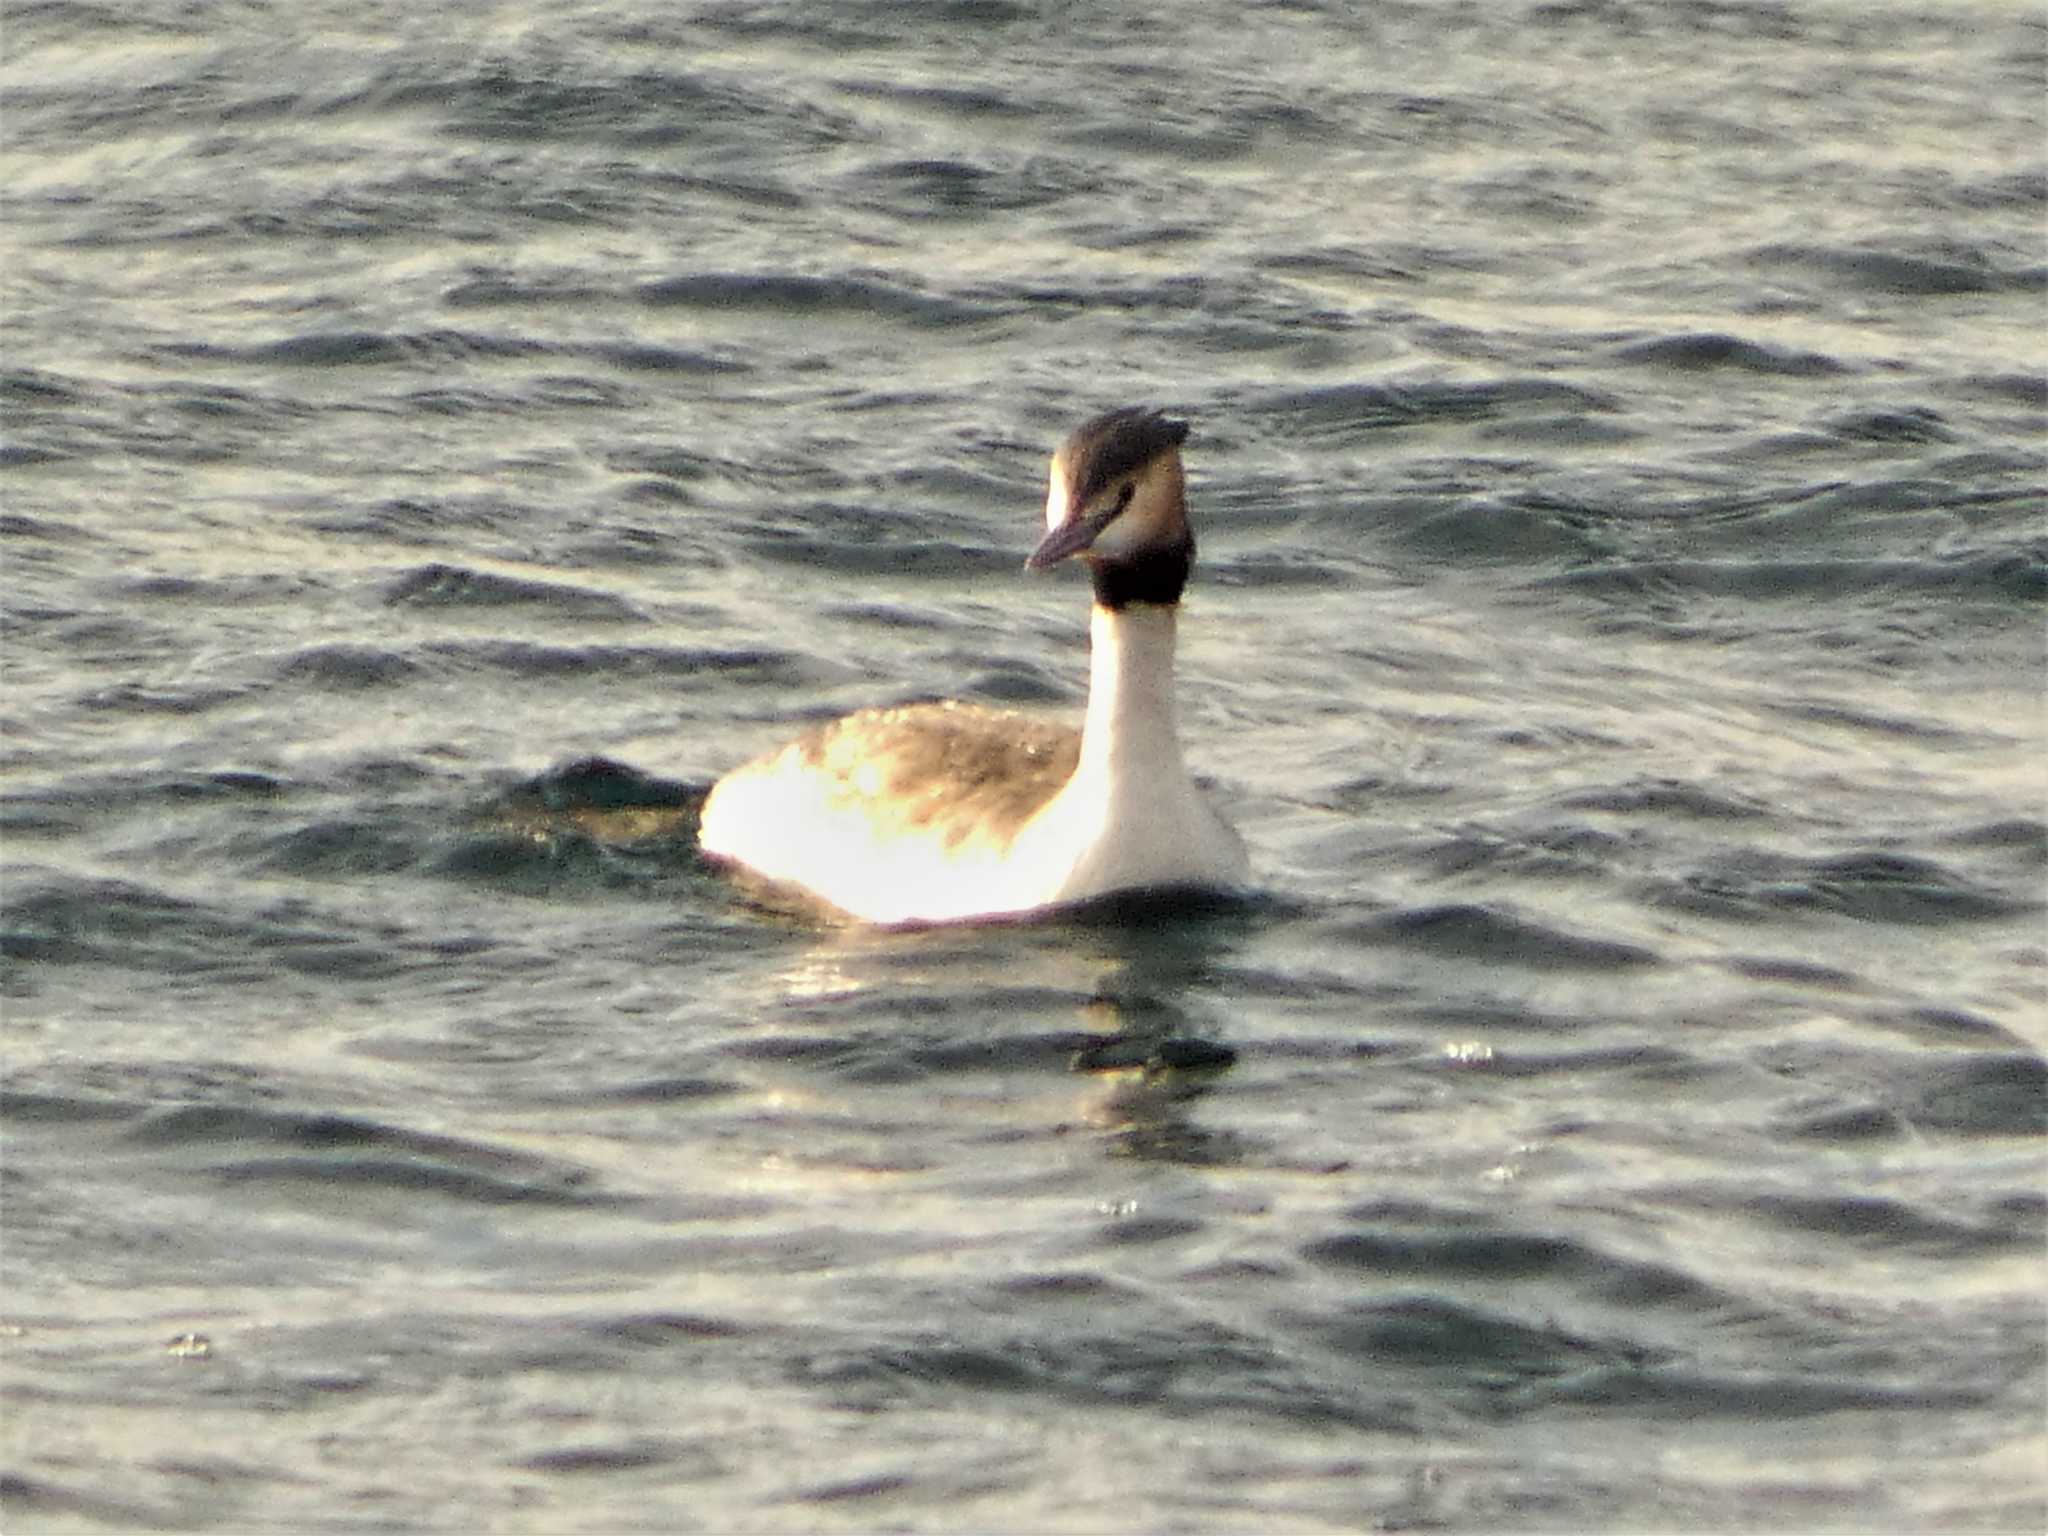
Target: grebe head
[1117,498]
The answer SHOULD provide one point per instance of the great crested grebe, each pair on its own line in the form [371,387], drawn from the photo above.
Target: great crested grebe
[951,812]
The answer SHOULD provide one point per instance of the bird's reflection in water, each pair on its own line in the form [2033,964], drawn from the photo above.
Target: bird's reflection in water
[1133,956]
[1157,1067]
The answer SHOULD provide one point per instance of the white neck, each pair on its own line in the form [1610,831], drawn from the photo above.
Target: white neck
[1130,817]
[1130,736]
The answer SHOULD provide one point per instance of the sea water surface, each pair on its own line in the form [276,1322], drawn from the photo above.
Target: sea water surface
[439,440]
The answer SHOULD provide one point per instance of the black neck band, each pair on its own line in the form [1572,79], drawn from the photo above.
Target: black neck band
[1156,576]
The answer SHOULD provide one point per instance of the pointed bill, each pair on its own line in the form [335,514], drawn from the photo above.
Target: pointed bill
[1070,538]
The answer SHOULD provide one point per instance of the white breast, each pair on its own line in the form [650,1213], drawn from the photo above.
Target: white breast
[942,813]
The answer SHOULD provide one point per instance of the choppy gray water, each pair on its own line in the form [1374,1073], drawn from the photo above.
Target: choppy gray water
[440,439]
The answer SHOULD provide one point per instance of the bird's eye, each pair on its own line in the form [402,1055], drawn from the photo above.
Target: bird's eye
[1123,498]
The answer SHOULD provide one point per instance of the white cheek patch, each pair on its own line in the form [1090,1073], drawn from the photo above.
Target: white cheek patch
[1119,539]
[1056,501]
[1148,520]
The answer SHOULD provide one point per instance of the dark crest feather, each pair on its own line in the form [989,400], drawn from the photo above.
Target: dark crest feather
[1114,444]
